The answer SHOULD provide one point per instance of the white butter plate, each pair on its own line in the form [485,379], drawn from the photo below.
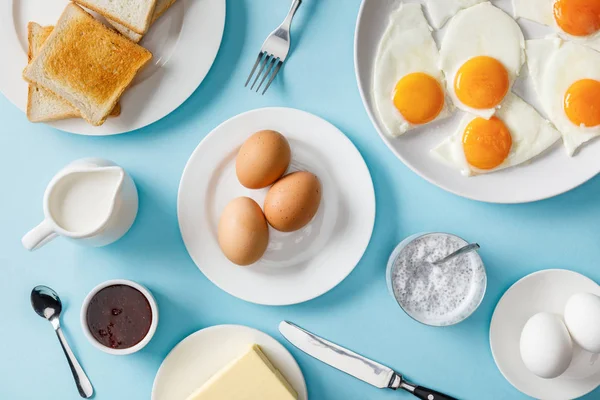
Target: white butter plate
[543,291]
[202,354]
[297,266]
[546,176]
[184,43]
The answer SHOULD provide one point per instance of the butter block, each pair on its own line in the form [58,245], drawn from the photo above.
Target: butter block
[250,377]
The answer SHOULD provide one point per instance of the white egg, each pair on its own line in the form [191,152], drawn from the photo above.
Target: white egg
[582,317]
[546,347]
[481,56]
[530,134]
[407,58]
[440,11]
[542,12]
[555,66]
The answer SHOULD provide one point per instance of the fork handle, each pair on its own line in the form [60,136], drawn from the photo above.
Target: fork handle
[288,20]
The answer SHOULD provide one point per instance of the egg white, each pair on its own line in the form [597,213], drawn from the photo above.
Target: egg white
[531,135]
[481,30]
[440,11]
[542,12]
[554,65]
[407,46]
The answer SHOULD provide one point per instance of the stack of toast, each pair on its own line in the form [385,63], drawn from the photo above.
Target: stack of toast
[80,67]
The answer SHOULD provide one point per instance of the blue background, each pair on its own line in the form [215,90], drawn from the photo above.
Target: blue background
[516,240]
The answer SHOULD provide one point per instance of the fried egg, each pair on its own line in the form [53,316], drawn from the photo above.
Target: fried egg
[566,77]
[577,20]
[481,56]
[516,134]
[440,11]
[408,88]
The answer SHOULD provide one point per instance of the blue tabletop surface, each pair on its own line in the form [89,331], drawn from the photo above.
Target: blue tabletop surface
[516,239]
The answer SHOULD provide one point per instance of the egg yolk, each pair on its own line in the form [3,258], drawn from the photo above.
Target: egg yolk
[578,17]
[582,103]
[486,143]
[482,82]
[419,98]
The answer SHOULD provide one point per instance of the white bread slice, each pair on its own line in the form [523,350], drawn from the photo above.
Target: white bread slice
[87,64]
[133,14]
[159,10]
[43,105]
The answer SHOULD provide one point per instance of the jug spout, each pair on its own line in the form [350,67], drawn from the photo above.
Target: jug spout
[112,180]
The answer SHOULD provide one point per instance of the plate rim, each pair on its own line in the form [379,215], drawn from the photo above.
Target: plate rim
[414,169]
[232,327]
[372,200]
[182,95]
[519,281]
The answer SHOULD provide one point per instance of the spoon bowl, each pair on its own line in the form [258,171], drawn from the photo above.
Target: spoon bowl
[45,302]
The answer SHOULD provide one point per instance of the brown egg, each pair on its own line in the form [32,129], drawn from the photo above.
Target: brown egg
[293,201]
[243,231]
[263,158]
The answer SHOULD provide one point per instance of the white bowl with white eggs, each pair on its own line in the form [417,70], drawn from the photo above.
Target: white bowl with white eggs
[567,344]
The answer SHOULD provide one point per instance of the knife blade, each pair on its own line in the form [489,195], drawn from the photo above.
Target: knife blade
[353,364]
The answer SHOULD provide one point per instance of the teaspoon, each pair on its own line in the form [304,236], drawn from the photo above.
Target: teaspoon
[466,249]
[428,266]
[47,304]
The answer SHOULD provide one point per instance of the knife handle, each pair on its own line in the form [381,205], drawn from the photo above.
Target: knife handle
[427,394]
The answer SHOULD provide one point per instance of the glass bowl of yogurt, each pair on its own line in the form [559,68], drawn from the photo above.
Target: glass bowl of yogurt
[439,295]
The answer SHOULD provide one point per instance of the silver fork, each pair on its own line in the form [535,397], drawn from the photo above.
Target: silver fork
[274,51]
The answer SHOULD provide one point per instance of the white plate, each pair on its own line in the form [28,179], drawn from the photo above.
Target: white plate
[202,354]
[297,266]
[184,43]
[550,174]
[543,291]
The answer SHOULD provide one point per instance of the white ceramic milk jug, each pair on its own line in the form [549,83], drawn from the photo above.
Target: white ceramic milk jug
[91,201]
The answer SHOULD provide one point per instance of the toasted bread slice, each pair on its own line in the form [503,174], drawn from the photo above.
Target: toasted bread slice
[87,64]
[43,105]
[159,10]
[132,14]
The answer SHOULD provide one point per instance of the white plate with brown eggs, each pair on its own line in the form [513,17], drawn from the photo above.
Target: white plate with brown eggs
[237,247]
[442,140]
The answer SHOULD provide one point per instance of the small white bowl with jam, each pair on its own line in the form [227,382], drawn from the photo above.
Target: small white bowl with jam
[119,317]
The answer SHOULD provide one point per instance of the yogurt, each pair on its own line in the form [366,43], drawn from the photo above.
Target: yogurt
[436,295]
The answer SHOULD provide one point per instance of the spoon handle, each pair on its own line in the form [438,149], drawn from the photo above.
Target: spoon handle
[466,249]
[84,386]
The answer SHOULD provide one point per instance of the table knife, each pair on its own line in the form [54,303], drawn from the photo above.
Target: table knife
[353,364]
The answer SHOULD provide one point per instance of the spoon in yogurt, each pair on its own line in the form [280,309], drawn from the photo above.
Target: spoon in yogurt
[47,304]
[463,250]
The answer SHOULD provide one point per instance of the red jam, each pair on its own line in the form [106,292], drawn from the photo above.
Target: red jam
[119,316]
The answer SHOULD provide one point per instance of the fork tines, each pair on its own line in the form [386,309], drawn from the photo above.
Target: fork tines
[263,59]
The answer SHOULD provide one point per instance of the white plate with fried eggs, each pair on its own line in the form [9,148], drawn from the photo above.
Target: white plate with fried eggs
[531,164]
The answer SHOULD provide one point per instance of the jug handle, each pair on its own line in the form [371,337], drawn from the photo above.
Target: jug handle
[39,236]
